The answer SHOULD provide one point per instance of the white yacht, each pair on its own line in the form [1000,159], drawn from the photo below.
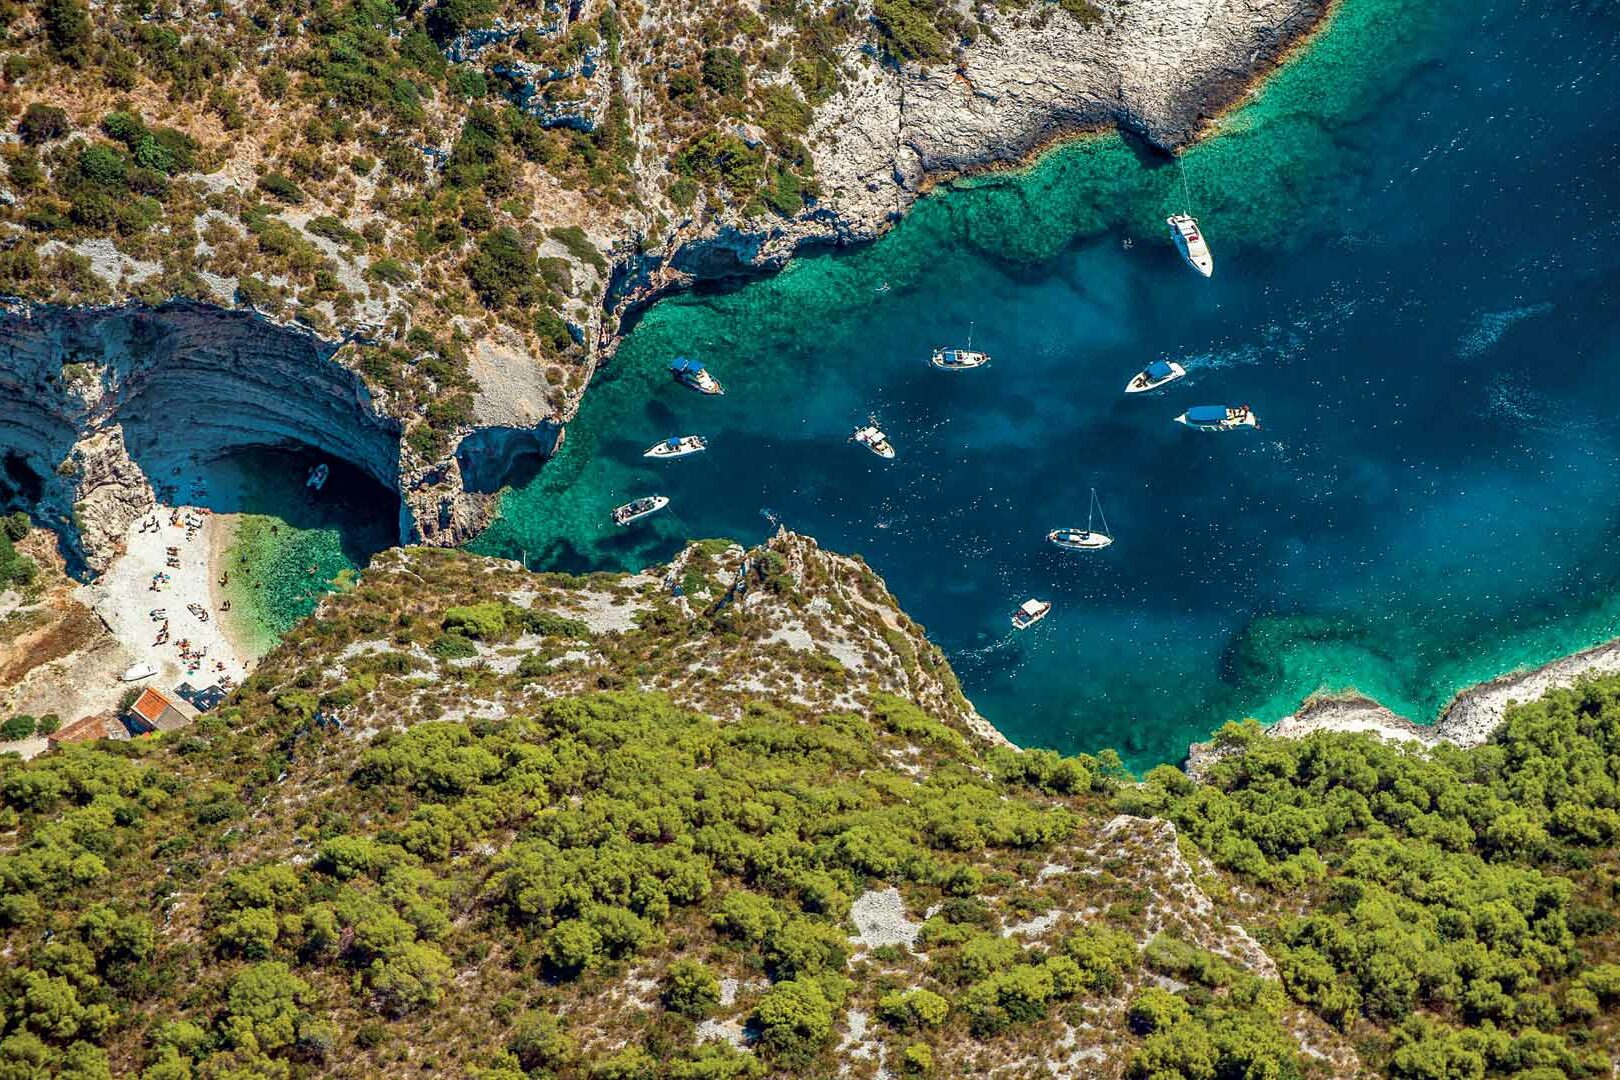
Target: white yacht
[874,440]
[1155,375]
[1190,242]
[137,672]
[1086,539]
[1219,417]
[638,509]
[676,448]
[1029,613]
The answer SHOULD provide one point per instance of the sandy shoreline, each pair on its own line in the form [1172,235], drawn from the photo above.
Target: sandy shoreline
[162,597]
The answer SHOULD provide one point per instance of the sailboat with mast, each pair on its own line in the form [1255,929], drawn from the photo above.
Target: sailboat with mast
[1188,237]
[959,359]
[1087,539]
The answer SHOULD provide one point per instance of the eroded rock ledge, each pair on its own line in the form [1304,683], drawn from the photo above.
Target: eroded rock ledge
[99,404]
[1159,69]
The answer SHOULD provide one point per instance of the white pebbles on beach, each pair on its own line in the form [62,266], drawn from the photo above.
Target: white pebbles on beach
[124,599]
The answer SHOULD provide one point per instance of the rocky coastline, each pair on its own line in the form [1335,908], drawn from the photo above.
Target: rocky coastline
[211,375]
[1471,718]
[1162,71]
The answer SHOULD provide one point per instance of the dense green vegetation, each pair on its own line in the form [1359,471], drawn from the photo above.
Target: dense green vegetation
[568,887]
[16,569]
[1463,899]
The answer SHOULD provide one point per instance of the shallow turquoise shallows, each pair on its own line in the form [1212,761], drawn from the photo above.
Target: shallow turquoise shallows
[1416,231]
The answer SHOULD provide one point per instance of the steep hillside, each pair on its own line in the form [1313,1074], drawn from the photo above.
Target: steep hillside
[733,818]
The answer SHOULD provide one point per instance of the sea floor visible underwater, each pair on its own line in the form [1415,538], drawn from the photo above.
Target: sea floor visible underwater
[1414,228]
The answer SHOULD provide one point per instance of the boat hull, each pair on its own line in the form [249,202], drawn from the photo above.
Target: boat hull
[1249,421]
[1075,540]
[623,519]
[662,452]
[1196,256]
[963,360]
[1143,385]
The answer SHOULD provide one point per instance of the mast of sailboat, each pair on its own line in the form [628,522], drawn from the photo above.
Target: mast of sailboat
[970,335]
[1096,505]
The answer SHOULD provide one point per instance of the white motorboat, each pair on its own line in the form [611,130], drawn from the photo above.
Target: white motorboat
[137,672]
[874,440]
[959,359]
[1155,375]
[318,475]
[677,448]
[1219,417]
[1086,539]
[1029,613]
[639,508]
[1190,242]
[691,373]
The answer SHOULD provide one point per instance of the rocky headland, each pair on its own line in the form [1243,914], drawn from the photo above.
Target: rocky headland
[283,304]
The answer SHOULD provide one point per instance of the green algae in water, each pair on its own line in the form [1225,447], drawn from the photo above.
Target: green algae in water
[1369,225]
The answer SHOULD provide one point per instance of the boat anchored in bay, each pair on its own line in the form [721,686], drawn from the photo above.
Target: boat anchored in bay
[683,446]
[693,375]
[872,437]
[1084,539]
[1190,242]
[1155,375]
[958,359]
[637,509]
[1219,417]
[1030,612]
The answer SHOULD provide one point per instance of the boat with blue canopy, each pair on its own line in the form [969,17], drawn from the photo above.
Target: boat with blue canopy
[959,359]
[1155,375]
[677,447]
[691,373]
[1219,417]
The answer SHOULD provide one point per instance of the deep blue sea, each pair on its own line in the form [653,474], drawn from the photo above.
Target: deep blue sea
[1416,229]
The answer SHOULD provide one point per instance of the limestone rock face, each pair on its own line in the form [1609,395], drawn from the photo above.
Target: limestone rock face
[1160,69]
[98,405]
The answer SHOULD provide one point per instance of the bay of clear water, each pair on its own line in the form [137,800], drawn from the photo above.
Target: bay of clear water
[1416,229]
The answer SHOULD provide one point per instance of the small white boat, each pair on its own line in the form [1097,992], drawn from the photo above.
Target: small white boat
[692,374]
[639,508]
[318,475]
[1029,613]
[1155,375]
[874,440]
[1086,539]
[677,448]
[1190,242]
[1219,417]
[959,359]
[137,672]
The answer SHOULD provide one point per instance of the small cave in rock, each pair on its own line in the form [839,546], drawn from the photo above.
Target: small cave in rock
[499,457]
[274,481]
[21,488]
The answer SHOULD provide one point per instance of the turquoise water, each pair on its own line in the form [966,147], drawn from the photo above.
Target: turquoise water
[1415,232]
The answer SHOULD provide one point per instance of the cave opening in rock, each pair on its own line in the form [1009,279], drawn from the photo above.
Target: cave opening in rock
[272,481]
[21,488]
[497,457]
